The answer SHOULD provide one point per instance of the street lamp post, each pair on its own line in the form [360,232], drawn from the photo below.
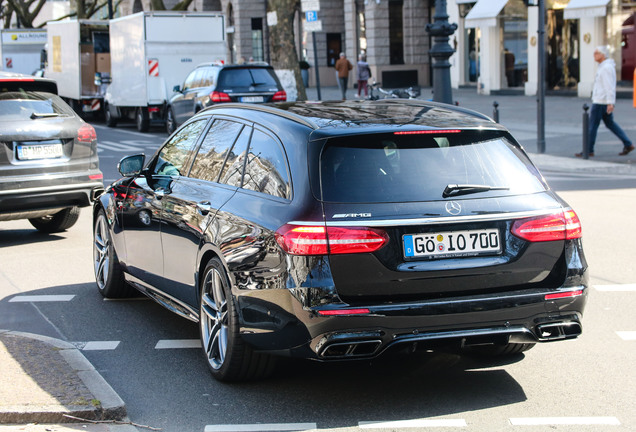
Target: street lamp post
[441,50]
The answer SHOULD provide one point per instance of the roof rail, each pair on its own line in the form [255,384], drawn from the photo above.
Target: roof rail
[267,109]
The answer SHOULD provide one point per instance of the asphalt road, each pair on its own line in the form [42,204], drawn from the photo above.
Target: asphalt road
[586,384]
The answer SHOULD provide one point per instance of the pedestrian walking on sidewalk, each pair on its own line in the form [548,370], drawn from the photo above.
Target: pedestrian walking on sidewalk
[343,66]
[603,100]
[364,73]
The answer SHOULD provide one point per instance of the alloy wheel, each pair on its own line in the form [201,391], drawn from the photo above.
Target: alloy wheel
[214,319]
[101,253]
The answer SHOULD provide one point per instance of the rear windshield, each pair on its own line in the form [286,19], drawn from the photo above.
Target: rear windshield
[247,77]
[25,105]
[407,168]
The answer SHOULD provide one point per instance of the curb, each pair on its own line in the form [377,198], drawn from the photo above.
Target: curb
[111,406]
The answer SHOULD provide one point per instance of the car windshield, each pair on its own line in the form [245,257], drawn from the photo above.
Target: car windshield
[420,167]
[25,105]
[246,77]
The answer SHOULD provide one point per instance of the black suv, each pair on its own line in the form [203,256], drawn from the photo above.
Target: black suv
[336,231]
[212,83]
[48,155]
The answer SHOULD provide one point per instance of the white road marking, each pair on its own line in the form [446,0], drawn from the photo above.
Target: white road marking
[178,343]
[118,146]
[627,335]
[417,423]
[100,345]
[554,421]
[41,298]
[265,427]
[618,288]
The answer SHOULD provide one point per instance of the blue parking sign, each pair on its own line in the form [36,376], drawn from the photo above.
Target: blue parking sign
[311,16]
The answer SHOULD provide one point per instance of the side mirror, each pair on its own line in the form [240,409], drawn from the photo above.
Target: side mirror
[131,165]
[176,89]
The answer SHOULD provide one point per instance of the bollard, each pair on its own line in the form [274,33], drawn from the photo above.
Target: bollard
[586,132]
[495,112]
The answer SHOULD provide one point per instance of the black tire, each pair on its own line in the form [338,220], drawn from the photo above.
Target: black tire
[500,350]
[108,273]
[57,222]
[108,117]
[227,355]
[142,119]
[171,122]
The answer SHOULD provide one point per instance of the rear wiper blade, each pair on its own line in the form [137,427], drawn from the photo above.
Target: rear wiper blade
[452,190]
[43,115]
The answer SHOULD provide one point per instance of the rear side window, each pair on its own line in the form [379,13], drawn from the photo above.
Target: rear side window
[24,105]
[266,168]
[408,168]
[247,77]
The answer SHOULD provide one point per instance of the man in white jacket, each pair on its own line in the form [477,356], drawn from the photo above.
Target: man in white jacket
[603,100]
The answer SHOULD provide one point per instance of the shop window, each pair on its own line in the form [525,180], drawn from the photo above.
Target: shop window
[257,39]
[334,48]
[515,41]
[396,31]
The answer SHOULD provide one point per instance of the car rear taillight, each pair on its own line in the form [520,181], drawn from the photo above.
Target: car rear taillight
[217,96]
[86,133]
[320,240]
[557,226]
[340,312]
[279,96]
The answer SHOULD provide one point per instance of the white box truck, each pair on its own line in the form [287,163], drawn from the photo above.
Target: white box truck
[21,50]
[78,50]
[151,53]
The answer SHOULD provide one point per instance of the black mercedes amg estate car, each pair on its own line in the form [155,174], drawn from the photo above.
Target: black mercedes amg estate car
[340,230]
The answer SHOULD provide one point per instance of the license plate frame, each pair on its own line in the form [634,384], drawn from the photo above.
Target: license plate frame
[31,152]
[451,244]
[252,99]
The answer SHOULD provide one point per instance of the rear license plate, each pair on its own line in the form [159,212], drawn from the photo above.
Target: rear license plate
[42,151]
[252,99]
[452,244]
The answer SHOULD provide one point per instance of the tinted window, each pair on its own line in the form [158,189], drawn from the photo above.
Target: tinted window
[208,77]
[190,79]
[247,77]
[266,168]
[214,149]
[22,105]
[392,168]
[233,170]
[176,155]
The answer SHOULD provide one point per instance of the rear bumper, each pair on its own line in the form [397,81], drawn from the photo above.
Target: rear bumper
[517,316]
[25,199]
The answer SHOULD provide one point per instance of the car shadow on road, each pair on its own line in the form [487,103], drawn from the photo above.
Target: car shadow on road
[14,237]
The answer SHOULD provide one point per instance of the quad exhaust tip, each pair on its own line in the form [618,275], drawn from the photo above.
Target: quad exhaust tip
[559,331]
[352,349]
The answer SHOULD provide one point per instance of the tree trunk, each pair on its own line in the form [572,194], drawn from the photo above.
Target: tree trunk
[282,47]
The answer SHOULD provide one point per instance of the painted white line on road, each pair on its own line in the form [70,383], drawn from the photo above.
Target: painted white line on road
[178,343]
[418,423]
[100,345]
[41,298]
[555,421]
[627,335]
[265,427]
[618,288]
[118,147]
[140,134]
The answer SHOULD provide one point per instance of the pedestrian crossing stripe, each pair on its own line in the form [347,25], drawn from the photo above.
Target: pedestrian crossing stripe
[627,335]
[616,288]
[41,298]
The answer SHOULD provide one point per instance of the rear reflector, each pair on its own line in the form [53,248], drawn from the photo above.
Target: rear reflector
[564,295]
[335,312]
[96,176]
[557,226]
[320,240]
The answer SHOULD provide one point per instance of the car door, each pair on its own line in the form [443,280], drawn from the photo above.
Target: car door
[195,200]
[143,208]
[183,104]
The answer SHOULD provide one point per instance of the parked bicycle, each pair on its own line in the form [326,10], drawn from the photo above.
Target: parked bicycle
[403,93]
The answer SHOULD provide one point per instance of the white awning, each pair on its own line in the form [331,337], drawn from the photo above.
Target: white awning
[484,13]
[585,9]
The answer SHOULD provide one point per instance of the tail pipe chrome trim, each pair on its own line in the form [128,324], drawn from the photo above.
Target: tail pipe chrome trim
[351,349]
[559,331]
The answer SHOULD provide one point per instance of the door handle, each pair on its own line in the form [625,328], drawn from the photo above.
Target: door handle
[204,207]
